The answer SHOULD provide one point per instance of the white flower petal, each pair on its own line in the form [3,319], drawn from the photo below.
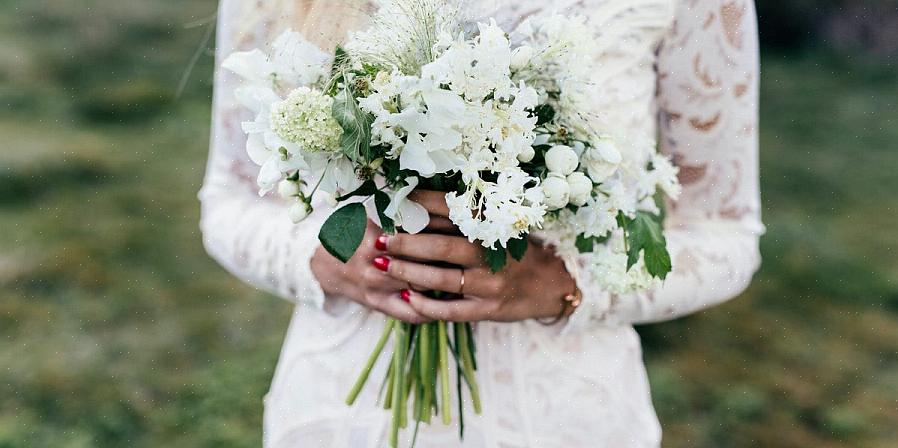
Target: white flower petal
[413,216]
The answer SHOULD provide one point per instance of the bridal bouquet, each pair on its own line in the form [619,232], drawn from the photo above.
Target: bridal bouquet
[502,122]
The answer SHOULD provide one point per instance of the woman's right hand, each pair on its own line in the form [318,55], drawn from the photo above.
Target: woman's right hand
[360,280]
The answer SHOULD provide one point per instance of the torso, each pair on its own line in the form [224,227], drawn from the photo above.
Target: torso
[539,388]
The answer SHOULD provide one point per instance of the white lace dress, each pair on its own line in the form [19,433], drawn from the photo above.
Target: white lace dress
[684,72]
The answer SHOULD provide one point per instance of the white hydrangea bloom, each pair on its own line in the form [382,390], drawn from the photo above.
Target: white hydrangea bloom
[305,119]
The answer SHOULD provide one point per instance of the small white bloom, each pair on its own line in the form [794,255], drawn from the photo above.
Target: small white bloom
[602,160]
[556,192]
[305,119]
[404,212]
[527,153]
[561,159]
[580,188]
[299,211]
[521,56]
[288,188]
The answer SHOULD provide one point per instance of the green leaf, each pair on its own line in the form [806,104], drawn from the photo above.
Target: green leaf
[517,248]
[341,57]
[356,139]
[381,202]
[584,244]
[344,230]
[645,234]
[495,258]
[587,243]
[544,114]
[366,189]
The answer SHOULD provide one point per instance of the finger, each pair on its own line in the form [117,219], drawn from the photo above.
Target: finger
[377,280]
[461,310]
[433,247]
[394,306]
[433,201]
[425,276]
[442,224]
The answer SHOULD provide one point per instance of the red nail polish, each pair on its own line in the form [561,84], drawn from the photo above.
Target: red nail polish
[382,263]
[405,294]
[381,242]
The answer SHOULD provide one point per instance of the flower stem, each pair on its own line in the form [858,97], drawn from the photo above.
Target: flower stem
[363,377]
[401,344]
[425,359]
[467,362]
[444,371]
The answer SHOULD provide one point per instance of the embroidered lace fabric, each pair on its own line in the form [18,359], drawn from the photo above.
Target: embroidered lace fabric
[682,72]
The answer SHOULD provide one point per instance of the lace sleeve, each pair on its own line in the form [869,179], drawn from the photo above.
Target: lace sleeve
[251,236]
[708,100]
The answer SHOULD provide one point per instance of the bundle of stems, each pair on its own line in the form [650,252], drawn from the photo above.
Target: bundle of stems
[418,374]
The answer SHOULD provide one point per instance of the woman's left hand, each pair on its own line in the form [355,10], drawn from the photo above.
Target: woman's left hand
[531,288]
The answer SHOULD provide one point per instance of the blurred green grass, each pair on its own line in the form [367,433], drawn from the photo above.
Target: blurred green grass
[118,330]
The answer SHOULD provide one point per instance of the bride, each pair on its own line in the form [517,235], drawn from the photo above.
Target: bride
[683,73]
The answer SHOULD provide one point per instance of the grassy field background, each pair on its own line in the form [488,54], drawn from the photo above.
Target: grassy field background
[117,330]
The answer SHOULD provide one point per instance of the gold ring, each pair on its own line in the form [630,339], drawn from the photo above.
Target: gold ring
[461,286]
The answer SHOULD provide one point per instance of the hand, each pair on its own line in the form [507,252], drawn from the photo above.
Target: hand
[359,280]
[531,288]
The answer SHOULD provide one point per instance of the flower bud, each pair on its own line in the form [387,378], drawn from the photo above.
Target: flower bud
[556,191]
[521,56]
[299,211]
[526,154]
[602,160]
[562,160]
[580,187]
[288,188]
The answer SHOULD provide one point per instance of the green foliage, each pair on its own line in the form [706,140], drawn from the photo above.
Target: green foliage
[586,244]
[356,126]
[495,258]
[381,202]
[644,235]
[517,247]
[343,231]
[367,188]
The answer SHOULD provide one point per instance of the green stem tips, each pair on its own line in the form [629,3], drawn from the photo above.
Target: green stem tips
[419,365]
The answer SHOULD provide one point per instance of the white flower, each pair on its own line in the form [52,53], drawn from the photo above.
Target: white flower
[602,160]
[561,159]
[299,211]
[293,62]
[609,267]
[305,119]
[665,174]
[404,212]
[288,188]
[527,153]
[556,191]
[520,57]
[580,188]
[495,212]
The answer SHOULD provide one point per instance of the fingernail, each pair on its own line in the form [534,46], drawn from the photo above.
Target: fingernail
[381,242]
[405,294]
[382,263]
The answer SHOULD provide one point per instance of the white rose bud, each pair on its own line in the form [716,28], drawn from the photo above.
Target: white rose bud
[556,192]
[581,188]
[602,160]
[299,211]
[562,160]
[526,154]
[520,57]
[288,188]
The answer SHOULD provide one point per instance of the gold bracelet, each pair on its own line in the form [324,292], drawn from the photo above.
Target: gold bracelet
[570,303]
